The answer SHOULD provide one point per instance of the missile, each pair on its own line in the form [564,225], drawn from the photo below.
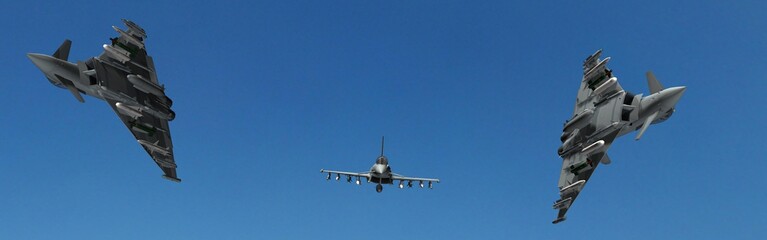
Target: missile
[134,28]
[590,61]
[116,53]
[129,38]
[154,148]
[577,121]
[145,128]
[606,85]
[128,110]
[563,203]
[164,163]
[598,145]
[144,85]
[595,70]
[575,187]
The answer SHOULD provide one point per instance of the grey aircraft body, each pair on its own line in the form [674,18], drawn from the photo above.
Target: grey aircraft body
[123,76]
[604,111]
[380,174]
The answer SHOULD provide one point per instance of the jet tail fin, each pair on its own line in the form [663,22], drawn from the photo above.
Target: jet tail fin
[654,84]
[382,145]
[63,51]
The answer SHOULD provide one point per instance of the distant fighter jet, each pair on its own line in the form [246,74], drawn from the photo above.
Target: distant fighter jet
[604,111]
[123,76]
[380,173]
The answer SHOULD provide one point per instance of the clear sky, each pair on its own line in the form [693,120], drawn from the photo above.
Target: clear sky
[471,92]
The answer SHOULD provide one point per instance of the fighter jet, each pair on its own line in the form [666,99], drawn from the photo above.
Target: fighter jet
[123,76]
[604,111]
[380,174]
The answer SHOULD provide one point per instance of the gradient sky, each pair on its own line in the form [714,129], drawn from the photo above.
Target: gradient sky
[471,92]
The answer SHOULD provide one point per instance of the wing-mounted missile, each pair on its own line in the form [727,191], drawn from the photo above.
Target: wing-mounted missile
[144,85]
[118,54]
[153,147]
[591,61]
[572,188]
[129,38]
[580,167]
[580,120]
[607,85]
[144,128]
[594,147]
[166,114]
[164,162]
[597,74]
[563,203]
[127,110]
[134,29]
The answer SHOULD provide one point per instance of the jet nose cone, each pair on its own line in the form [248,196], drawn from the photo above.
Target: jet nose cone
[677,90]
[40,60]
[675,93]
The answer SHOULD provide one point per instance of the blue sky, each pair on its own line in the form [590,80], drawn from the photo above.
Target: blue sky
[474,93]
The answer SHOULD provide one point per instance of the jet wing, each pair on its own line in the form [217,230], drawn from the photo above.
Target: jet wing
[352,174]
[597,81]
[404,178]
[153,134]
[127,72]
[576,171]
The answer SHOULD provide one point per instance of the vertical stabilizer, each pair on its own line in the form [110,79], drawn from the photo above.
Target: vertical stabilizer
[382,145]
[655,86]
[63,51]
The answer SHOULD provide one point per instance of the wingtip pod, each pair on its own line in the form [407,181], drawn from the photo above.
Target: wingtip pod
[172,179]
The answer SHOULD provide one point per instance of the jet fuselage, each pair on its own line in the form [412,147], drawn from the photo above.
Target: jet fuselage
[381,172]
[662,102]
[58,70]
[55,68]
[636,111]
